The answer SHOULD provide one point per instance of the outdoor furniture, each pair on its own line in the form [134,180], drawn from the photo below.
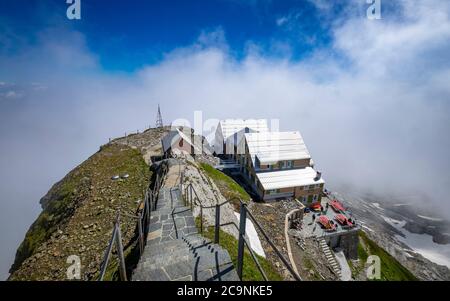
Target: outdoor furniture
[326,223]
[337,206]
[343,220]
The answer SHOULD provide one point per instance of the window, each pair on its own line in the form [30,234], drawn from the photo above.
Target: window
[181,143]
[273,191]
[315,198]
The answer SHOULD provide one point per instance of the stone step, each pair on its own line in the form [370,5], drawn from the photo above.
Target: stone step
[195,240]
[164,262]
[151,275]
[165,252]
[175,250]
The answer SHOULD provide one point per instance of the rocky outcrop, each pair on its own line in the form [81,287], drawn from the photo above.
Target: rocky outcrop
[147,142]
[271,217]
[209,195]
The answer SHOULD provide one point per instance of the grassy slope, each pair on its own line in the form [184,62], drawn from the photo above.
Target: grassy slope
[391,269]
[230,189]
[86,196]
[227,186]
[250,270]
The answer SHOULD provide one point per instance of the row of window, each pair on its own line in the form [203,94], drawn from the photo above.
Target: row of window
[311,187]
[282,165]
[306,199]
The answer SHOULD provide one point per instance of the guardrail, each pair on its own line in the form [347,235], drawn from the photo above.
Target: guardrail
[142,217]
[192,199]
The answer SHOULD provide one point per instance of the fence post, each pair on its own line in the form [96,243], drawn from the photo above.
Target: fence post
[242,220]
[108,253]
[217,225]
[151,201]
[119,246]
[147,207]
[192,199]
[201,219]
[141,234]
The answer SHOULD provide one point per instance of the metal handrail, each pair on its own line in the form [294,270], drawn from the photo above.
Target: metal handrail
[143,219]
[242,240]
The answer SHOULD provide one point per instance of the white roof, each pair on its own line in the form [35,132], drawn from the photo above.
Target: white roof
[271,147]
[236,138]
[288,178]
[231,126]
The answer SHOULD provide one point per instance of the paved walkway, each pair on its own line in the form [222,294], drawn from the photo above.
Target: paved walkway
[175,251]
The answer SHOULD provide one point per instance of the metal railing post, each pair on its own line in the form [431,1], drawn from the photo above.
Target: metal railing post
[151,200]
[119,246]
[108,254]
[141,235]
[242,220]
[201,219]
[192,199]
[217,225]
[147,208]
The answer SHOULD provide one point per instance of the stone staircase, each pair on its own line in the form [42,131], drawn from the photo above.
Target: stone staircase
[175,251]
[330,257]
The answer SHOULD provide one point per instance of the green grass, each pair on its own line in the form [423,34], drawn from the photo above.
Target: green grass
[391,269]
[250,271]
[362,253]
[227,186]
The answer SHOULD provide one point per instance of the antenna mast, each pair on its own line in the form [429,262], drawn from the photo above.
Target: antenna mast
[159,121]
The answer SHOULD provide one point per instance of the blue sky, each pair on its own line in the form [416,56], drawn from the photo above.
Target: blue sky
[370,97]
[129,34]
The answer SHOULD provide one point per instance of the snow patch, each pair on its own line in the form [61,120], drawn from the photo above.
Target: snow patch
[254,241]
[394,222]
[377,205]
[434,219]
[422,243]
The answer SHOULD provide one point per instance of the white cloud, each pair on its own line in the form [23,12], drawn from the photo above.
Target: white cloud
[12,94]
[282,20]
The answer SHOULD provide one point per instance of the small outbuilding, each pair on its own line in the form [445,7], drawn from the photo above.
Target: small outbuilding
[184,141]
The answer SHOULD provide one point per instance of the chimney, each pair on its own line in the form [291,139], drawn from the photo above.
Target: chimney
[318,176]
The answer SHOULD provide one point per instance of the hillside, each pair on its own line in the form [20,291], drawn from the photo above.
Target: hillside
[391,269]
[78,211]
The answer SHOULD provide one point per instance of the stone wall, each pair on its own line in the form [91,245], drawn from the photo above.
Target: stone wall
[347,241]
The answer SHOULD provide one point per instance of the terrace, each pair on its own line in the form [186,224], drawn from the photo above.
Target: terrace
[311,228]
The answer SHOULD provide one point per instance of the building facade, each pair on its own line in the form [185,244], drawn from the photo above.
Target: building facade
[278,165]
[184,141]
